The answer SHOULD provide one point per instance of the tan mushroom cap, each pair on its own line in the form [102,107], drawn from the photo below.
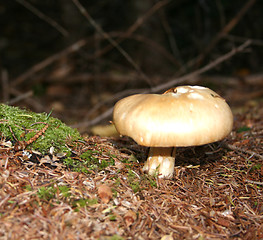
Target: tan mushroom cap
[182,116]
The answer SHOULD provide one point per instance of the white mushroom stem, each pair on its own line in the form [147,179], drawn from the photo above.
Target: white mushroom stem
[160,161]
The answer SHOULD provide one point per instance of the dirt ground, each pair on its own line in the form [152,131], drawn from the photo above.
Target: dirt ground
[73,61]
[215,193]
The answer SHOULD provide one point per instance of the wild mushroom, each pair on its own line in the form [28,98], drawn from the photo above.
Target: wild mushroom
[182,116]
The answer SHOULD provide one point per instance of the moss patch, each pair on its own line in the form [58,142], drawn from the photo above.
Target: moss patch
[25,125]
[89,160]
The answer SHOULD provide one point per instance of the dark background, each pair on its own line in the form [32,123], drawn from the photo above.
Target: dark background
[168,39]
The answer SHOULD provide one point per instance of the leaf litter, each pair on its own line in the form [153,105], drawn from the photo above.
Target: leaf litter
[99,192]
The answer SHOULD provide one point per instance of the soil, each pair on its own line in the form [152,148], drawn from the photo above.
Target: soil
[215,193]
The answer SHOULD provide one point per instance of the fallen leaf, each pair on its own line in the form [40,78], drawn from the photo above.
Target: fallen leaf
[130,218]
[105,193]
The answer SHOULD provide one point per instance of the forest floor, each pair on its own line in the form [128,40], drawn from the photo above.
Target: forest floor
[215,193]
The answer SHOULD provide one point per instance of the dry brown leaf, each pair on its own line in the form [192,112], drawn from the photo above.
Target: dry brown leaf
[105,193]
[130,218]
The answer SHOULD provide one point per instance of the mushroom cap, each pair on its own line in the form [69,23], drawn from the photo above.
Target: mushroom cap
[182,116]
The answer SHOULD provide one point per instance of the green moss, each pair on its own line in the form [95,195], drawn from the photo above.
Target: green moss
[75,165]
[25,125]
[134,182]
[89,160]
[61,193]
[138,184]
[46,193]
[243,129]
[65,191]
[256,167]
[112,217]
[79,203]
[92,201]
[116,237]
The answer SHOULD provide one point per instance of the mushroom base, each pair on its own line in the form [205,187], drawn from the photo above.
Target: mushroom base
[160,161]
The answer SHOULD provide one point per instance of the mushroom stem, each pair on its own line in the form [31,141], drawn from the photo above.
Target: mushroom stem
[161,161]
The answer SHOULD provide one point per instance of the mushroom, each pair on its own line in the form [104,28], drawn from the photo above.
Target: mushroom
[182,116]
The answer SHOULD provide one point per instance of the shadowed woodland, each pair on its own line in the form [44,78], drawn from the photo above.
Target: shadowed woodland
[73,60]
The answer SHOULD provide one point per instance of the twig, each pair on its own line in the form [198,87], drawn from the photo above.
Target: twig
[81,43]
[238,149]
[149,42]
[207,67]
[114,98]
[171,39]
[27,97]
[74,48]
[172,82]
[139,21]
[39,66]
[254,182]
[21,145]
[20,97]
[226,29]
[42,16]
[158,5]
[94,121]
[233,38]
[111,41]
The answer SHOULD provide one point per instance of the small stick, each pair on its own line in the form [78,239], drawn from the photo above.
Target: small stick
[14,136]
[238,149]
[254,182]
[38,134]
[173,82]
[201,70]
[44,17]
[49,60]
[226,29]
[114,43]
[21,145]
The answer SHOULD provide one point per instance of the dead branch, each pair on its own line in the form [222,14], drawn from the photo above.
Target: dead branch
[226,29]
[147,41]
[42,16]
[139,21]
[76,47]
[94,121]
[19,96]
[172,82]
[238,149]
[41,65]
[207,67]
[85,13]
[82,42]
[221,199]
[233,38]
[171,39]
[27,97]
[254,182]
